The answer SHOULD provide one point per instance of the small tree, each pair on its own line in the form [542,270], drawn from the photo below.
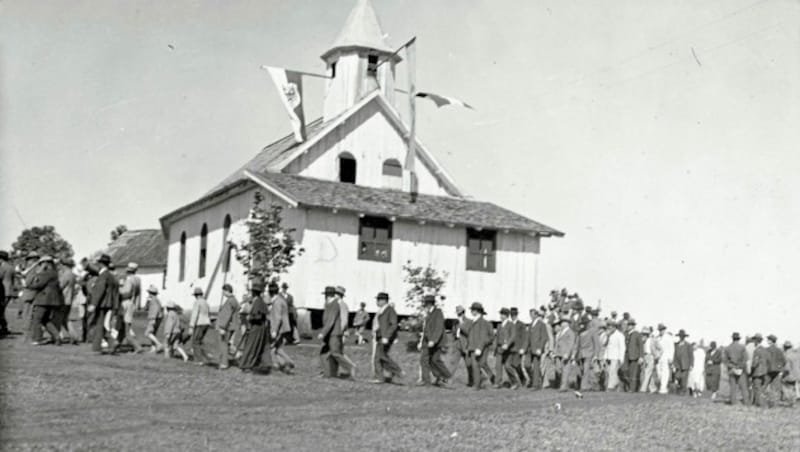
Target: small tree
[118,231]
[43,240]
[269,249]
[422,281]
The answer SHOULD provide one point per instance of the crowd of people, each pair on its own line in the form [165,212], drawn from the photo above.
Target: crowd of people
[566,346]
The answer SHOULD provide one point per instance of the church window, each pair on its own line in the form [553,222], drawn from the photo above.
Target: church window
[372,66]
[182,263]
[226,228]
[347,168]
[392,174]
[333,70]
[201,272]
[375,239]
[481,250]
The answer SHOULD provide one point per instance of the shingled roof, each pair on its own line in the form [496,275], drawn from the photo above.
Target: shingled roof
[146,247]
[271,154]
[319,193]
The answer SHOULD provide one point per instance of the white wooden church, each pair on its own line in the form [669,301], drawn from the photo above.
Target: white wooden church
[345,192]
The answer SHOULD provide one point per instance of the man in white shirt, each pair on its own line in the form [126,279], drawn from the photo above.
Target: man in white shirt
[614,354]
[649,365]
[664,364]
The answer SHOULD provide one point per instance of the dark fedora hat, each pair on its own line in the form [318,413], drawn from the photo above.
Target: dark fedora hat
[513,311]
[772,338]
[682,333]
[382,296]
[428,299]
[104,259]
[736,336]
[329,290]
[257,284]
[477,307]
[504,311]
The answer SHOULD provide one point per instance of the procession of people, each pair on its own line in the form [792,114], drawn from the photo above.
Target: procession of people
[567,346]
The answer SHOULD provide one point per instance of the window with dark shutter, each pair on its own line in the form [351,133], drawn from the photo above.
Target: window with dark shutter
[182,266]
[226,228]
[347,168]
[481,247]
[201,272]
[375,239]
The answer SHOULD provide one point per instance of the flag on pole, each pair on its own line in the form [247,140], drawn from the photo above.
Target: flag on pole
[441,101]
[411,153]
[290,89]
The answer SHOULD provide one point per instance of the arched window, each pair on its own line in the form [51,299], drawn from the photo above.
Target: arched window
[347,168]
[226,228]
[201,272]
[392,174]
[182,264]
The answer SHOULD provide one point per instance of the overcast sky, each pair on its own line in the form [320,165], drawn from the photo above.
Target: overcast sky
[662,137]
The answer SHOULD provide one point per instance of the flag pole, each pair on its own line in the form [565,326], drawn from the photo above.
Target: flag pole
[412,91]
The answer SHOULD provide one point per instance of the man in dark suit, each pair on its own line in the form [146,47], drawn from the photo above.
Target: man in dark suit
[777,364]
[331,335]
[735,358]
[6,289]
[433,344]
[540,339]
[385,334]
[461,336]
[293,336]
[682,362]
[104,299]
[634,355]
[517,348]
[760,369]
[478,343]
[47,302]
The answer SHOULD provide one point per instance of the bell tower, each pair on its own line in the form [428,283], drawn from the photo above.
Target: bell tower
[359,62]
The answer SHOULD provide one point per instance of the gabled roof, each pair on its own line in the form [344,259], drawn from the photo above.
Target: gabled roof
[146,247]
[362,29]
[310,192]
[273,153]
[278,155]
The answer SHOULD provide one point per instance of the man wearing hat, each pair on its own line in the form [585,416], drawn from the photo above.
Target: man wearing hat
[279,327]
[791,376]
[155,314]
[199,323]
[293,336]
[28,294]
[539,342]
[227,324]
[478,343]
[735,358]
[588,355]
[47,303]
[385,334]
[518,349]
[461,336]
[713,368]
[564,350]
[682,363]
[432,344]
[633,357]
[760,369]
[777,364]
[649,362]
[67,282]
[614,355]
[332,350]
[501,337]
[6,289]
[664,354]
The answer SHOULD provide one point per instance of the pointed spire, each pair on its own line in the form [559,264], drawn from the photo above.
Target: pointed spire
[362,29]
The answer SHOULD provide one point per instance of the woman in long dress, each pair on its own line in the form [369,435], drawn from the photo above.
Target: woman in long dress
[257,355]
[697,376]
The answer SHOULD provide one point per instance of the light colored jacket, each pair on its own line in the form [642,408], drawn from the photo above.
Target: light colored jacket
[279,316]
[199,313]
[667,343]
[615,350]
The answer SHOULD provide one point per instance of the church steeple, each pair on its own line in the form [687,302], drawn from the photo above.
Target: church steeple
[356,61]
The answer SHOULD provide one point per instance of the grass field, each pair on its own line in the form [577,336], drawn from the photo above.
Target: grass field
[66,398]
